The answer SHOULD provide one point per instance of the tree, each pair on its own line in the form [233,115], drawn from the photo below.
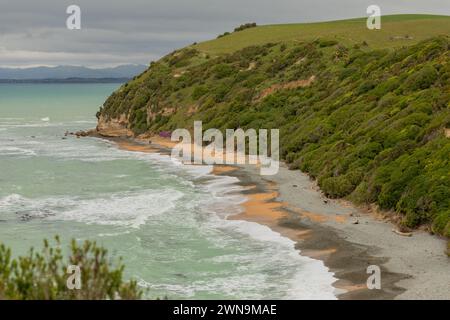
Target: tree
[44,275]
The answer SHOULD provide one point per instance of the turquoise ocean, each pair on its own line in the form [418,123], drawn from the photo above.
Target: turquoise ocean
[167,220]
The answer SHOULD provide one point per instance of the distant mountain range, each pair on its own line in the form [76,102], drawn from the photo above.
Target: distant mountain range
[70,73]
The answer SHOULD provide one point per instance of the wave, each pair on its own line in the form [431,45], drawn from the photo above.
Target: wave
[200,198]
[129,210]
[273,250]
[303,277]
[10,199]
[94,122]
[29,124]
[15,151]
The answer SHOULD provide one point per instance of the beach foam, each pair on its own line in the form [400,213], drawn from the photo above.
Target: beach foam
[125,210]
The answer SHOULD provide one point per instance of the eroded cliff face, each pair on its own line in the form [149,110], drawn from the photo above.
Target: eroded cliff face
[114,127]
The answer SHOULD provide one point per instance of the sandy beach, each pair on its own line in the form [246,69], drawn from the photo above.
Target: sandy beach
[349,239]
[346,238]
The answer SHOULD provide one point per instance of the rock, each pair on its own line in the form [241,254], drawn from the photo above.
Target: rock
[25,217]
[325,201]
[81,134]
[295,186]
[355,221]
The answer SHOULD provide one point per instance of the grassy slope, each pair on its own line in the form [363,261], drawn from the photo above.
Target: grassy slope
[347,32]
[370,128]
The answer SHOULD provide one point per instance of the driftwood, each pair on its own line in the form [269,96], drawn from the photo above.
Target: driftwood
[403,234]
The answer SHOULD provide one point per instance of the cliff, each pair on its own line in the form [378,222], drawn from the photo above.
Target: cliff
[369,119]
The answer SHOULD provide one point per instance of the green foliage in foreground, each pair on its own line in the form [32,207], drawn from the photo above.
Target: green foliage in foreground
[43,275]
[371,127]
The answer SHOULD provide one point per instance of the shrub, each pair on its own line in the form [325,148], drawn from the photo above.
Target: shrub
[421,79]
[223,35]
[220,92]
[441,224]
[245,26]
[387,87]
[366,86]
[223,70]
[181,58]
[326,43]
[138,121]
[337,187]
[199,92]
[43,275]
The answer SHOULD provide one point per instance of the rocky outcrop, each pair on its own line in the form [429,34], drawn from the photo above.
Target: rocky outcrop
[114,127]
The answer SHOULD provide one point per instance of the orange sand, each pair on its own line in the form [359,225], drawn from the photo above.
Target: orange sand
[135,147]
[221,169]
[319,254]
[160,141]
[260,207]
[316,217]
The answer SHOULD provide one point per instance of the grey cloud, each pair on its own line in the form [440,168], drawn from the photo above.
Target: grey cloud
[137,31]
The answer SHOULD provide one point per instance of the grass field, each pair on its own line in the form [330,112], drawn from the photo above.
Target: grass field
[396,30]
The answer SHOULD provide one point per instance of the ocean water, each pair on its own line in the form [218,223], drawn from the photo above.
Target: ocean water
[167,220]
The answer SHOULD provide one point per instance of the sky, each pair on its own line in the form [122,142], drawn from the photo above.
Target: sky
[114,32]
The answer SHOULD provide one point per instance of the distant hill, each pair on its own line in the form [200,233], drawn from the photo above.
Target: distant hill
[70,72]
[68,80]
[396,31]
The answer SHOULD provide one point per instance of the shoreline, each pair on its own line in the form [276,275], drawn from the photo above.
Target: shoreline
[413,267]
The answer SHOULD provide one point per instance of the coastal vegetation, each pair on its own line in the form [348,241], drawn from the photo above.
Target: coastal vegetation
[366,113]
[240,28]
[42,275]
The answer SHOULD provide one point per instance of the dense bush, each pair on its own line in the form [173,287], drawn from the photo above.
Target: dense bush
[223,70]
[43,275]
[421,79]
[245,26]
[326,43]
[199,92]
[223,35]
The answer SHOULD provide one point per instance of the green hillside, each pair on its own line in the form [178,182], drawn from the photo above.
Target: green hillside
[370,123]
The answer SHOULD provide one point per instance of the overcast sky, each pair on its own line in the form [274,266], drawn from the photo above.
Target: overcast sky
[33,32]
